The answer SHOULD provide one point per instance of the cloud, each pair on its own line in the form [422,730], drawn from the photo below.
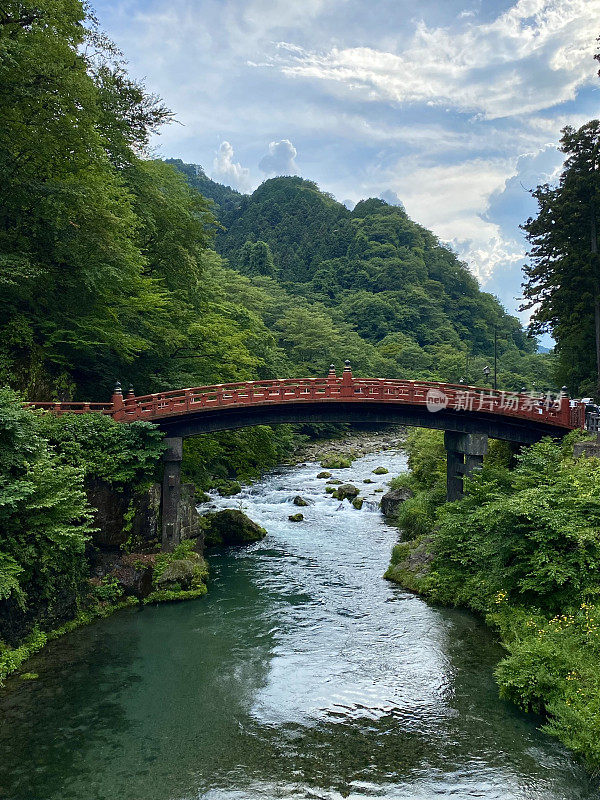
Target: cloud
[391,198]
[455,108]
[228,171]
[535,55]
[280,159]
[452,200]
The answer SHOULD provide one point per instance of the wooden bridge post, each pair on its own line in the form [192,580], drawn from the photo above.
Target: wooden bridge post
[171,491]
[117,402]
[464,454]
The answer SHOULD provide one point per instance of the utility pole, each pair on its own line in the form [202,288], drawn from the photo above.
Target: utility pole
[495,357]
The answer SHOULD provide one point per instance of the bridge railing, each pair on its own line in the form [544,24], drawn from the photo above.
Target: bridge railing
[457,397]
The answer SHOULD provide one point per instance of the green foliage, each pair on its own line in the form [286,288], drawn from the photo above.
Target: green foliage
[531,532]
[108,591]
[215,461]
[105,449]
[44,518]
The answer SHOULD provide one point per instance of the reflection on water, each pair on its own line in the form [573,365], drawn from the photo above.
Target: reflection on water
[301,675]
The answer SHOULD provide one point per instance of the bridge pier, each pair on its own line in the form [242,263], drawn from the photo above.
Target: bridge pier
[171,492]
[464,454]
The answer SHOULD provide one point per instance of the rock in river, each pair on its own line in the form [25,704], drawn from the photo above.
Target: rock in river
[346,490]
[300,501]
[391,501]
[231,526]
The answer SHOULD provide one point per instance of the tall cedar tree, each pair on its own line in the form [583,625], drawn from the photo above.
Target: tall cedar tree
[563,278]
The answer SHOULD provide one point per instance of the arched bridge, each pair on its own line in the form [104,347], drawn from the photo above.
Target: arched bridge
[467,414]
[454,407]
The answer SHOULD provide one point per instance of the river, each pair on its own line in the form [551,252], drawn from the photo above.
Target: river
[302,674]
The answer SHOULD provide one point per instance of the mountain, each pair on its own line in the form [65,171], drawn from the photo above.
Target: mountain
[371,271]
[224,197]
[382,271]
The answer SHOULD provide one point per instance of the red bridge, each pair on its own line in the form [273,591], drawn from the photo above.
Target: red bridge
[469,409]
[467,414]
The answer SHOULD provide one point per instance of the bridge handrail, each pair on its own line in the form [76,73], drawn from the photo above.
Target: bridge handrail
[346,388]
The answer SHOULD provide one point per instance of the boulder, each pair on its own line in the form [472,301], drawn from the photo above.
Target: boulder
[358,503]
[229,489]
[134,571]
[336,462]
[391,501]
[300,501]
[115,524]
[180,572]
[380,471]
[230,527]
[324,475]
[335,482]
[346,490]
[296,517]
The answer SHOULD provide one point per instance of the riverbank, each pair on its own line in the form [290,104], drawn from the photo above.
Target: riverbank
[522,550]
[351,445]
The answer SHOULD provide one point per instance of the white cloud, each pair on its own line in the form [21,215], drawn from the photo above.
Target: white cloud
[533,56]
[228,171]
[280,160]
[451,200]
[391,198]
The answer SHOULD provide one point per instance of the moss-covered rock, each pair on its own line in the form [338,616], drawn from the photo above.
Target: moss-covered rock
[324,475]
[335,482]
[296,517]
[182,570]
[300,501]
[229,489]
[380,471]
[336,462]
[368,480]
[330,489]
[231,527]
[358,503]
[346,490]
[410,563]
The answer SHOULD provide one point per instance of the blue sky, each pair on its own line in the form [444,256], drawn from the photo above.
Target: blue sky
[455,107]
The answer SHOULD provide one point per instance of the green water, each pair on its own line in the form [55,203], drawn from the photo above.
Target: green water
[301,675]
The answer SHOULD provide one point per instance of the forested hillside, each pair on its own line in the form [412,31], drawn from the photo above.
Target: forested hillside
[417,309]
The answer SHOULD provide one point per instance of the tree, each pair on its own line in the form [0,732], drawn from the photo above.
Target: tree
[563,278]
